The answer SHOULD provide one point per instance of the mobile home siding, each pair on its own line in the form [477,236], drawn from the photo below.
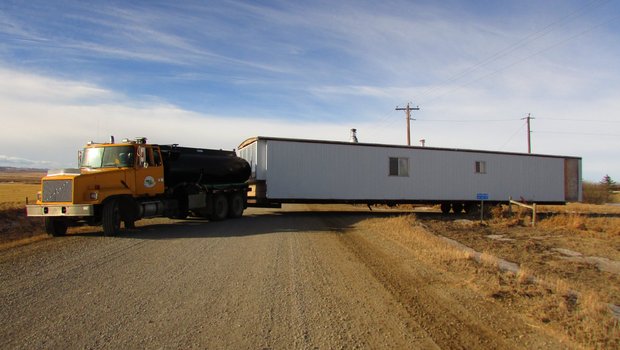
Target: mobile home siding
[302,170]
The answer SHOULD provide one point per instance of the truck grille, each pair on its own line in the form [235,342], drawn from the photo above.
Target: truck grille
[57,191]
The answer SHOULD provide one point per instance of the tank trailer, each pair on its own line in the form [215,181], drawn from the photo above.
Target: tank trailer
[131,180]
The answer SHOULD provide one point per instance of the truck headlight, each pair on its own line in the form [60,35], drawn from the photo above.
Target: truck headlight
[94,195]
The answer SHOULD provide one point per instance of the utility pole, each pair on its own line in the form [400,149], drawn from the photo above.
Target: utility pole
[408,110]
[529,133]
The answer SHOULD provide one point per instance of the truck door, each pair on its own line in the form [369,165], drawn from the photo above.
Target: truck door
[149,171]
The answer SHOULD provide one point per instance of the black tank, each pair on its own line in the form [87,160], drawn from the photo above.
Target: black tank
[206,166]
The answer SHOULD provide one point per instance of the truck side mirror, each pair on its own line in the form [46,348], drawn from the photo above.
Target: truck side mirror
[80,153]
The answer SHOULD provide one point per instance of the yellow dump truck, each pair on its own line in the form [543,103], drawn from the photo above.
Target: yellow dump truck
[127,181]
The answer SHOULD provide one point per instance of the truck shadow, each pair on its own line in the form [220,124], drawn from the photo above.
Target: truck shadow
[269,223]
[280,222]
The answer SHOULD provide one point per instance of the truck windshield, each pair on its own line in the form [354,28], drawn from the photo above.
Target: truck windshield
[108,157]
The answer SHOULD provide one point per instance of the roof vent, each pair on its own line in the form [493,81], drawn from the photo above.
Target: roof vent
[353,136]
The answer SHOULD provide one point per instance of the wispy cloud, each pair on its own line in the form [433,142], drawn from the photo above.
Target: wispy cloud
[32,88]
[293,69]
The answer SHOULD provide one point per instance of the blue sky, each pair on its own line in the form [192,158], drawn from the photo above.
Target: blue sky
[213,73]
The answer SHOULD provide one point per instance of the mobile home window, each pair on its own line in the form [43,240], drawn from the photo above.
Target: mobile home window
[481,167]
[399,166]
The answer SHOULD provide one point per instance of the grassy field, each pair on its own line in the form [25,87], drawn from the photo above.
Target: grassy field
[17,187]
[16,176]
[17,192]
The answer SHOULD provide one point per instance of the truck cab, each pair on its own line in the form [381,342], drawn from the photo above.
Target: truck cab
[108,173]
[140,163]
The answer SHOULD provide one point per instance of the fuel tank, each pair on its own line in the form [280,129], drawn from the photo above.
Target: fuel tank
[206,166]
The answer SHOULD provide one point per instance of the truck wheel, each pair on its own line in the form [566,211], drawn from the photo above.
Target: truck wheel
[130,224]
[111,218]
[220,208]
[55,227]
[457,208]
[445,208]
[236,205]
[182,211]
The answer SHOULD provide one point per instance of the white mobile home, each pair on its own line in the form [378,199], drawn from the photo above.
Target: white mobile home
[312,171]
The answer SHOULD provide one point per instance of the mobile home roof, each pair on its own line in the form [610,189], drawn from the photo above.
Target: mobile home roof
[251,140]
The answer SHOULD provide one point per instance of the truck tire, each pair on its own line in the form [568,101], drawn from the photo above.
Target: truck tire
[236,205]
[111,218]
[55,227]
[220,208]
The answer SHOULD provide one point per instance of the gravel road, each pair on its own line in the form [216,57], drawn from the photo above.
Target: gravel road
[272,279]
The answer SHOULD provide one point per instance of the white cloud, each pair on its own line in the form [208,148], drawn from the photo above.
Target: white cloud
[43,126]
[50,130]
[31,88]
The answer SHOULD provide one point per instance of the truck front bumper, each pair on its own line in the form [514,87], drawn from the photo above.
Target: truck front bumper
[60,210]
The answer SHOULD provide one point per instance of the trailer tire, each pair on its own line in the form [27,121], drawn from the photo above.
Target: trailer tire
[236,205]
[457,208]
[111,218]
[220,208]
[445,208]
[471,208]
[55,227]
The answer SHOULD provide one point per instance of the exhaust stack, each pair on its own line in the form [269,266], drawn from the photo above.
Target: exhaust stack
[353,138]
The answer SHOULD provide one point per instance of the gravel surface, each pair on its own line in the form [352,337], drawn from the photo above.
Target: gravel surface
[283,279]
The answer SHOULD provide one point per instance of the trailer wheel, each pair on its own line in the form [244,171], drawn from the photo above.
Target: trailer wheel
[55,227]
[111,218]
[445,208]
[220,208]
[236,205]
[457,208]
[471,208]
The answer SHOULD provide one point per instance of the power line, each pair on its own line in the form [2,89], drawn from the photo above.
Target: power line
[520,43]
[581,120]
[577,133]
[517,45]
[559,43]
[512,136]
[467,120]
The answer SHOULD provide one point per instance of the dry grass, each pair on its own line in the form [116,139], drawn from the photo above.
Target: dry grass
[18,192]
[525,275]
[19,176]
[598,220]
[15,225]
[598,226]
[410,233]
[582,208]
[553,302]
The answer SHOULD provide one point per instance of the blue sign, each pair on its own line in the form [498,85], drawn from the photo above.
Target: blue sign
[482,196]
